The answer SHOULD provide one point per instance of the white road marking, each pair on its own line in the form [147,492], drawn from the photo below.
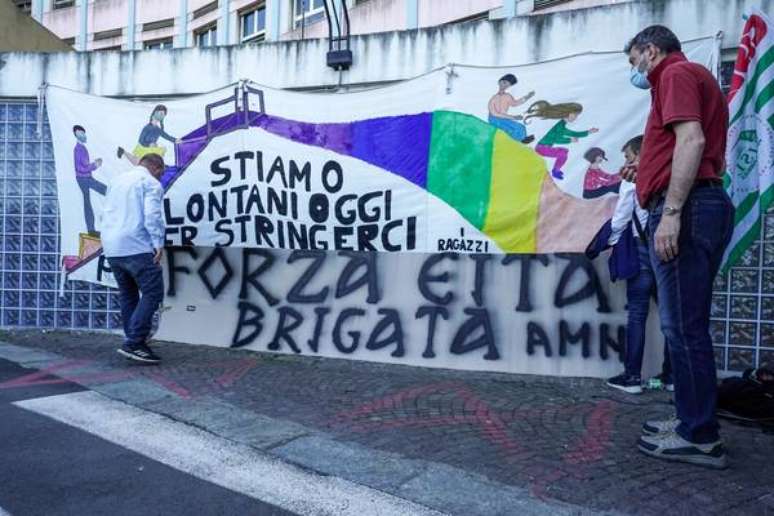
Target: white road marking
[216,460]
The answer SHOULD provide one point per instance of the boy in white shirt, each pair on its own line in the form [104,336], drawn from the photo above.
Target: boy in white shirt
[640,288]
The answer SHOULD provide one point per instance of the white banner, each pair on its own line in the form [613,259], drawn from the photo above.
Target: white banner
[520,159]
[466,182]
[537,314]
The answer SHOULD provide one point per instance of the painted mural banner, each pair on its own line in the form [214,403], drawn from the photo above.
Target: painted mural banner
[439,222]
[519,159]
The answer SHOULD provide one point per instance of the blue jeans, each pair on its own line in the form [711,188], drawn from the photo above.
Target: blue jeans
[140,292]
[512,128]
[685,297]
[86,184]
[639,290]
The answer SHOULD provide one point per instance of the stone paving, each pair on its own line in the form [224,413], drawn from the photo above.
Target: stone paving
[559,441]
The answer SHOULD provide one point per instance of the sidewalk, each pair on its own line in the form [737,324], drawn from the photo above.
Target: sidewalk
[457,442]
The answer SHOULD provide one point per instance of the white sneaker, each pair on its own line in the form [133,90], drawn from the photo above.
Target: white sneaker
[670,446]
[660,426]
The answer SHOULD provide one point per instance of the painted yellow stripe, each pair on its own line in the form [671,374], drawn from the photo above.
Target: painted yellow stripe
[514,198]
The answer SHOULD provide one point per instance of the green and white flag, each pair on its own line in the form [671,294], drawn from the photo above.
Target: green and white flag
[750,154]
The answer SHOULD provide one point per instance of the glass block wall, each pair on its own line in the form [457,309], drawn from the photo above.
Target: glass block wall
[743,304]
[29,235]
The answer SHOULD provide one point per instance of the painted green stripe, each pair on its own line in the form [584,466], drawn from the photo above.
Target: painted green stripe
[459,171]
[766,94]
[765,61]
[742,245]
[771,120]
[745,206]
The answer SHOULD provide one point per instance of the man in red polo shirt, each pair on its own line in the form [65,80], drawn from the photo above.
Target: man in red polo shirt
[691,220]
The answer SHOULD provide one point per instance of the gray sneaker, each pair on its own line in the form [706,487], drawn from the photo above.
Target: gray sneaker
[672,447]
[660,426]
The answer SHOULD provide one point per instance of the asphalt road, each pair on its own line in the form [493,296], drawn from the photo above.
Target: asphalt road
[51,468]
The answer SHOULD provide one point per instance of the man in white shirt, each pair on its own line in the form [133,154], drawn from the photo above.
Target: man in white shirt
[133,241]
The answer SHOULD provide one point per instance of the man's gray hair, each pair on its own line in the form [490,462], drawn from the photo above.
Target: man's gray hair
[657,35]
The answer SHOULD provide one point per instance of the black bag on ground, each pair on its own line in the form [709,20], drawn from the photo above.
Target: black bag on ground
[749,398]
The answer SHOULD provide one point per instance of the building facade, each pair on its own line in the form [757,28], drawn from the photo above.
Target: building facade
[162,24]
[743,303]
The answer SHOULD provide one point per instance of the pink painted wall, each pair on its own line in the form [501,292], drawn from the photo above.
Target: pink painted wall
[368,17]
[438,12]
[389,15]
[62,22]
[154,10]
[107,15]
[579,4]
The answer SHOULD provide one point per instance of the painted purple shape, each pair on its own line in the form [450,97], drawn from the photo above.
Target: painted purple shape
[334,137]
[169,175]
[400,144]
[193,143]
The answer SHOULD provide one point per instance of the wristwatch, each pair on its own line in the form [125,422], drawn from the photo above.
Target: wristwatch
[671,210]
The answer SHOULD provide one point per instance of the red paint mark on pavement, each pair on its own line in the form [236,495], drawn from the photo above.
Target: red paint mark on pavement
[396,399]
[592,445]
[589,448]
[236,372]
[48,376]
[169,384]
[40,377]
[490,424]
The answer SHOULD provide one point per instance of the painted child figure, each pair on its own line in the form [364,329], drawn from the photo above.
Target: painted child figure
[84,169]
[147,143]
[640,288]
[499,105]
[598,182]
[552,144]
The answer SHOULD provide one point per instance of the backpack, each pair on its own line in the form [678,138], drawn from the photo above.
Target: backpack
[749,398]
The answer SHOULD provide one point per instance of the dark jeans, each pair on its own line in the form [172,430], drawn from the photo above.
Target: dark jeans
[639,290]
[141,290]
[685,297]
[86,184]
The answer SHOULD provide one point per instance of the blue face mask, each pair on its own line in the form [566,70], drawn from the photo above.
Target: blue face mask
[81,137]
[639,79]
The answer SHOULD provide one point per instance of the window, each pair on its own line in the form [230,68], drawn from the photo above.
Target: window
[160,24]
[158,44]
[207,37]
[61,4]
[253,23]
[107,34]
[545,4]
[201,11]
[472,18]
[308,11]
[24,5]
